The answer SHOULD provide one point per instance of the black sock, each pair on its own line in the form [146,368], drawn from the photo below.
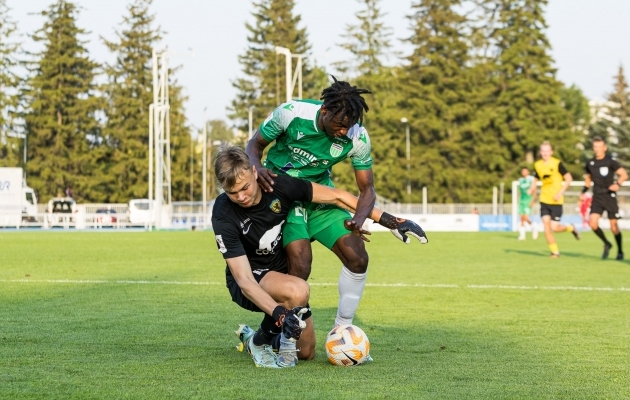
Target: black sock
[600,234]
[267,331]
[618,240]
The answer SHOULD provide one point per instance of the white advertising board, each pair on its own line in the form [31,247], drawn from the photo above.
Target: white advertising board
[10,196]
[439,222]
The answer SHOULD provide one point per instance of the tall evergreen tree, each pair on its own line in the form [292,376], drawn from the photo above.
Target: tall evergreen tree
[10,145]
[60,118]
[528,95]
[612,121]
[454,157]
[368,41]
[130,92]
[180,143]
[262,84]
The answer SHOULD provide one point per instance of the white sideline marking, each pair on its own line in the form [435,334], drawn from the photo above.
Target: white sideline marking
[403,285]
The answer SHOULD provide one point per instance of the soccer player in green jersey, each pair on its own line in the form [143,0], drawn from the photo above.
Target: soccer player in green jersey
[310,137]
[525,203]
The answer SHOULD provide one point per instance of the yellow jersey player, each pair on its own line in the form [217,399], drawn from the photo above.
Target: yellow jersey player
[555,181]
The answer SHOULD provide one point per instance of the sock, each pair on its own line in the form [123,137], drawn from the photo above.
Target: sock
[286,344]
[351,287]
[618,240]
[569,228]
[600,234]
[521,230]
[266,331]
[554,248]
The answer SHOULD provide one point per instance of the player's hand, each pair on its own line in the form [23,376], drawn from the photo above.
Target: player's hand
[265,178]
[356,229]
[412,229]
[557,196]
[531,204]
[614,187]
[292,323]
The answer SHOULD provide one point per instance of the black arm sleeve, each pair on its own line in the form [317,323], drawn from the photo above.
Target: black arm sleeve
[562,169]
[615,165]
[535,174]
[295,189]
[227,236]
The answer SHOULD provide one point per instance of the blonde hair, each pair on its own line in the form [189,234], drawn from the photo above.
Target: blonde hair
[546,143]
[230,164]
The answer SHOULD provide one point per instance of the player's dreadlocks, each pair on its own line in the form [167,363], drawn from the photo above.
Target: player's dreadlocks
[345,100]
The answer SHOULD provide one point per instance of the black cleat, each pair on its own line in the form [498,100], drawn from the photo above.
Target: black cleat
[575,232]
[607,248]
[620,256]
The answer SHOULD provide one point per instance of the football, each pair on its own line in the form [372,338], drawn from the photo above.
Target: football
[347,345]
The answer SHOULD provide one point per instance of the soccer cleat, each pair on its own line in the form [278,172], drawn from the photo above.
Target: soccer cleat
[607,248]
[534,232]
[263,356]
[575,232]
[521,237]
[243,332]
[620,256]
[555,255]
[287,358]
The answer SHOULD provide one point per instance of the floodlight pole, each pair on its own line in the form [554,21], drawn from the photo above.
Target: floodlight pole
[290,77]
[204,169]
[251,121]
[408,154]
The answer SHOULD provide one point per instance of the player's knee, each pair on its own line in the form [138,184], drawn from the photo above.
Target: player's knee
[298,293]
[307,352]
[358,264]
[593,224]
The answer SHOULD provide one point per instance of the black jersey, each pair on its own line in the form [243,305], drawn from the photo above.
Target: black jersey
[256,232]
[602,173]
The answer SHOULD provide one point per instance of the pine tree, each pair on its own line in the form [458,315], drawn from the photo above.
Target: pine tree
[453,156]
[10,145]
[60,118]
[262,84]
[130,92]
[612,122]
[180,143]
[368,41]
[528,108]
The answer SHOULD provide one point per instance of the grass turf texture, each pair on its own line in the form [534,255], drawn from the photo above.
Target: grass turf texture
[113,339]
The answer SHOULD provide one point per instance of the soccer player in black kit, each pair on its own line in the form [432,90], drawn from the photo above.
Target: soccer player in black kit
[247,223]
[600,171]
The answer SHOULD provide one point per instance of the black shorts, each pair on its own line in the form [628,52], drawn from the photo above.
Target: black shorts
[553,210]
[237,295]
[606,202]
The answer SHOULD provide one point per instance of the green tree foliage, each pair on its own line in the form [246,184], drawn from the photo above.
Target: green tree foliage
[11,147]
[368,41]
[262,85]
[129,93]
[576,104]
[528,95]
[612,121]
[180,144]
[61,123]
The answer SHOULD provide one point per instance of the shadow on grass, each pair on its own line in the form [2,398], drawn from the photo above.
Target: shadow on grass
[546,254]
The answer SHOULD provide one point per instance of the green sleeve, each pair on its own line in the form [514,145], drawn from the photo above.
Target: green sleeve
[361,149]
[277,122]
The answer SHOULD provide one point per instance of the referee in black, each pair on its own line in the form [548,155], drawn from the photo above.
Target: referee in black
[601,171]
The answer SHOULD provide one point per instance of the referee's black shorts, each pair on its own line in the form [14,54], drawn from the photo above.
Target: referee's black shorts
[553,210]
[606,202]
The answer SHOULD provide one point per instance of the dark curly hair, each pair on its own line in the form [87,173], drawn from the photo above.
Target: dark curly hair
[345,100]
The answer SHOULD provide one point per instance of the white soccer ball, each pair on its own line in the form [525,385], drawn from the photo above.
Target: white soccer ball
[347,345]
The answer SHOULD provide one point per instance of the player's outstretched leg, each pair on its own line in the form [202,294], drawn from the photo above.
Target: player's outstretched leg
[351,251]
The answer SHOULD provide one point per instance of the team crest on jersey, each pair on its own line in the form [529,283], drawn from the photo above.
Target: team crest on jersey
[336,149]
[275,206]
[288,107]
[603,171]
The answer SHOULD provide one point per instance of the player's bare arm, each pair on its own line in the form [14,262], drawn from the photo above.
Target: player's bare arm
[565,185]
[367,196]
[533,189]
[622,176]
[242,273]
[254,150]
[587,185]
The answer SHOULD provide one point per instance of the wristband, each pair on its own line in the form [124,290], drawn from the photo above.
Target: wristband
[584,189]
[389,221]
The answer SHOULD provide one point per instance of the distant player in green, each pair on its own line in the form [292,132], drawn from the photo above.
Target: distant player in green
[525,204]
[310,137]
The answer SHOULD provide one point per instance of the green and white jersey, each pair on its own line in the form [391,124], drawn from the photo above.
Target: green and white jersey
[304,151]
[523,188]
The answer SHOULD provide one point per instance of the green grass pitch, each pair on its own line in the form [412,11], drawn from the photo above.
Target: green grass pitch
[470,315]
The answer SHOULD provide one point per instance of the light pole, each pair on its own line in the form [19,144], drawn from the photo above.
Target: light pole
[204,167]
[251,121]
[291,77]
[408,153]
